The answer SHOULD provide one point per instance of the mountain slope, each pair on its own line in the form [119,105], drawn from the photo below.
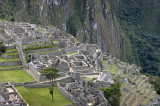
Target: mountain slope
[128,29]
[90,21]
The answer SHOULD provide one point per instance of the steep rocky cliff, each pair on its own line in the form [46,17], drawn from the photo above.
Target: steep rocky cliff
[90,21]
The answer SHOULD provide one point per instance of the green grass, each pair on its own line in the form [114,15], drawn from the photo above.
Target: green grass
[39,47]
[123,85]
[55,42]
[108,66]
[11,50]
[46,52]
[124,75]
[8,54]
[10,67]
[32,44]
[41,97]
[112,69]
[105,62]
[117,71]
[73,53]
[15,75]
[6,60]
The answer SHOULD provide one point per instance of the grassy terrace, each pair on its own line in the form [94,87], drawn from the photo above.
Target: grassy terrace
[41,97]
[8,54]
[55,42]
[117,71]
[6,60]
[73,53]
[33,44]
[46,51]
[123,85]
[11,50]
[112,69]
[105,61]
[10,67]
[15,75]
[39,47]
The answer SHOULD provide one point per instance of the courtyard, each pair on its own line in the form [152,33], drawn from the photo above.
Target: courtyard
[41,97]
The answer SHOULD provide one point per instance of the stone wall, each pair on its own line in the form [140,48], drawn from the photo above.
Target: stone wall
[42,50]
[10,56]
[64,92]
[37,85]
[70,50]
[10,63]
[50,54]
[24,83]
[21,54]
[18,68]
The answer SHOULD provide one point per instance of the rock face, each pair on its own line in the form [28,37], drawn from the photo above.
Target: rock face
[90,21]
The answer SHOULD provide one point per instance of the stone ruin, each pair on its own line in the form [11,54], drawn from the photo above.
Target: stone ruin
[82,93]
[9,96]
[73,59]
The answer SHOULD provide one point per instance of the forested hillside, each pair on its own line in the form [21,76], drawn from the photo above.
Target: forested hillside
[140,21]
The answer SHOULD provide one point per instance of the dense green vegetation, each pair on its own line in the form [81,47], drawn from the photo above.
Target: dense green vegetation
[140,22]
[113,94]
[41,97]
[76,21]
[51,74]
[6,12]
[2,47]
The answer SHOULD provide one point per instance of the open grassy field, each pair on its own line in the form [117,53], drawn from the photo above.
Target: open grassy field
[41,97]
[15,75]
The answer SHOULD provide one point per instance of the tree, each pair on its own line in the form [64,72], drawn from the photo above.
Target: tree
[2,49]
[51,90]
[51,74]
[113,94]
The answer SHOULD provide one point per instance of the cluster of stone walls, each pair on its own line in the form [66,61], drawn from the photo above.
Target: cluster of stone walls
[23,102]
[64,92]
[70,49]
[79,67]
[50,54]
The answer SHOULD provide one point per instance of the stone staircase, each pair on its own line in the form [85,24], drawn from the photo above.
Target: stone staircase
[141,92]
[10,60]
